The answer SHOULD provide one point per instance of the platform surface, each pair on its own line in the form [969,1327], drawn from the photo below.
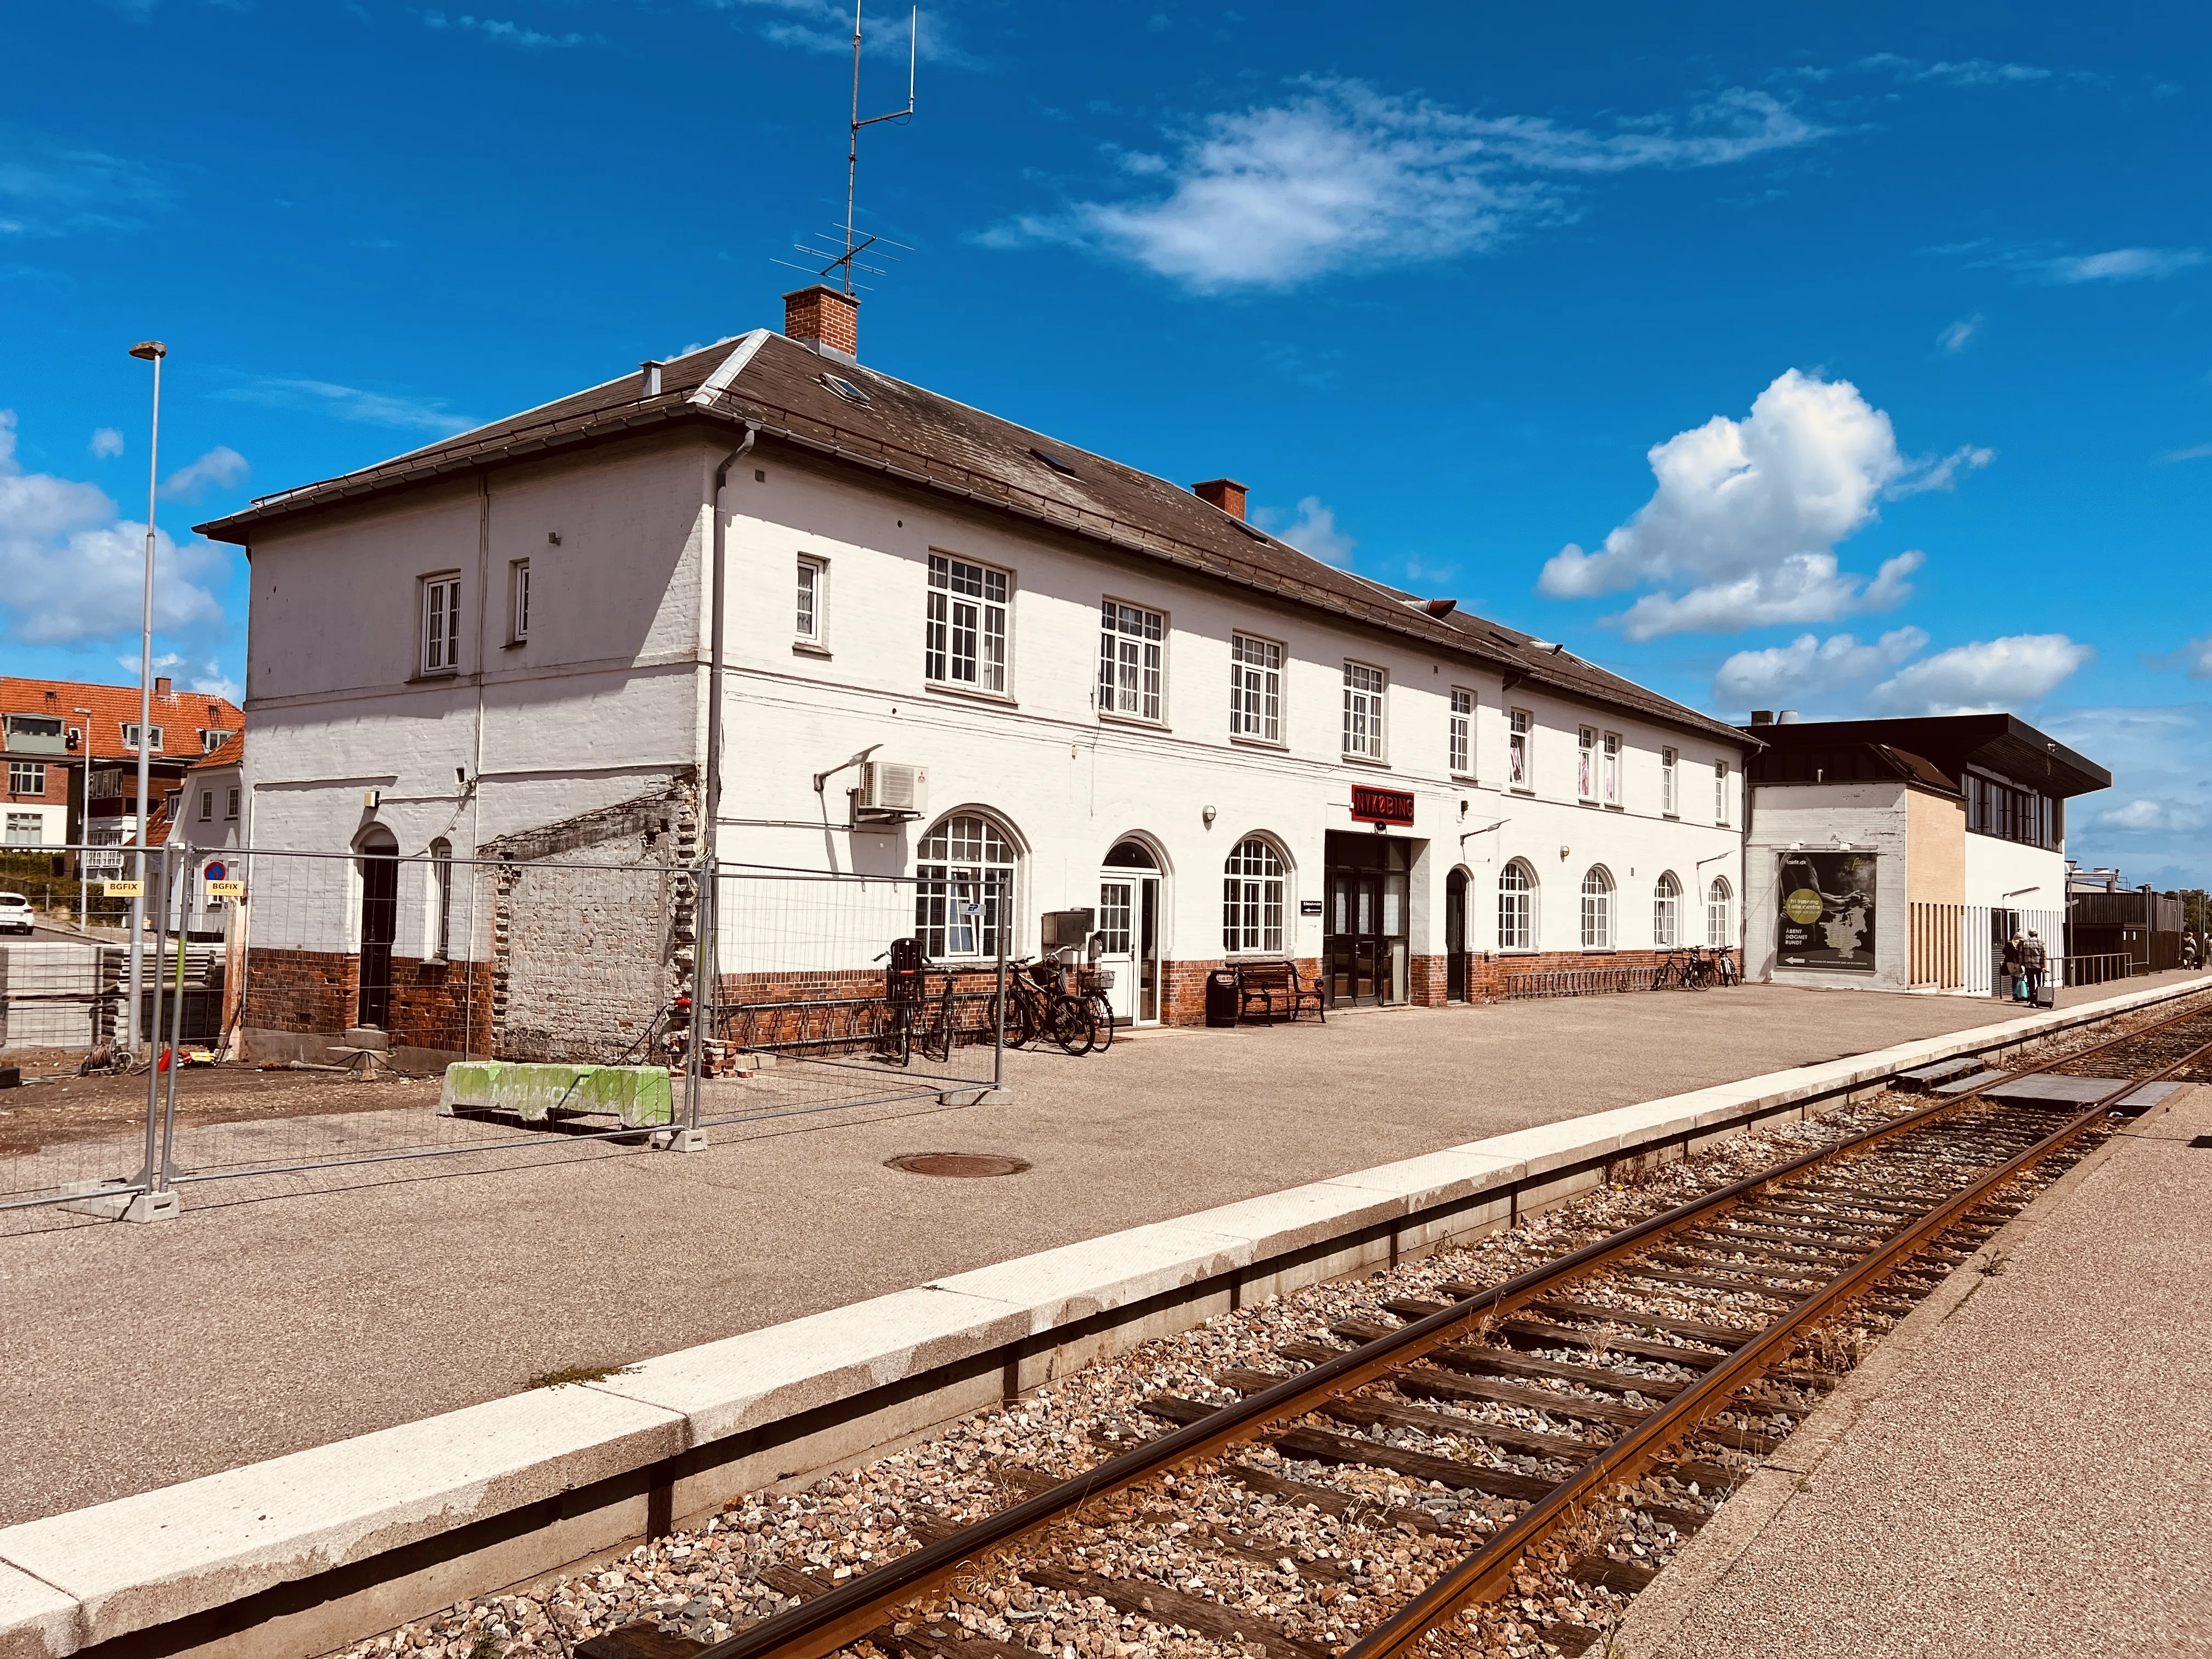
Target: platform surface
[139,1356]
[2032,1479]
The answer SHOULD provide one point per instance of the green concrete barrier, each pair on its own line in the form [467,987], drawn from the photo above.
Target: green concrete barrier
[637,1096]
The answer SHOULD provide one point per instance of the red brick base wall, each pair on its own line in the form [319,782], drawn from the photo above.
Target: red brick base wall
[1183,987]
[441,1006]
[1486,972]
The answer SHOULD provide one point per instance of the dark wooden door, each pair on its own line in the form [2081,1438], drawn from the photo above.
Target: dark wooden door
[380,927]
[1456,936]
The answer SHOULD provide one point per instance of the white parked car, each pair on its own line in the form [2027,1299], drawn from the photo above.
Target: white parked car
[15,913]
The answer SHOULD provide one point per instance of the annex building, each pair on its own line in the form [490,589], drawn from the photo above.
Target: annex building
[1067,680]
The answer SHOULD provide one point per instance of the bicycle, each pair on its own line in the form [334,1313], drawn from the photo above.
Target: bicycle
[1038,1004]
[906,987]
[1727,970]
[1094,983]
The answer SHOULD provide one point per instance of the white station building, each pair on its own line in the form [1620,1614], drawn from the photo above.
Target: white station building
[1108,691]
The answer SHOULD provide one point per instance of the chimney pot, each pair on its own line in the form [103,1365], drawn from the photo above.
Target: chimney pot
[1441,607]
[652,386]
[1224,493]
[1762,717]
[161,686]
[1787,717]
[825,319]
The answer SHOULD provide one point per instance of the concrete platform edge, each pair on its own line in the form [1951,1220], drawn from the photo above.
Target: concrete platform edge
[352,1537]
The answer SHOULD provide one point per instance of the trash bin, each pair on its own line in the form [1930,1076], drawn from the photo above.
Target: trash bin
[1221,997]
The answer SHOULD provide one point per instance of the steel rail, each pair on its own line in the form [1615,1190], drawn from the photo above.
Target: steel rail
[821,1625]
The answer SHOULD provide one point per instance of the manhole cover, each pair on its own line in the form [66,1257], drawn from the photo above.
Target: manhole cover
[957,1163]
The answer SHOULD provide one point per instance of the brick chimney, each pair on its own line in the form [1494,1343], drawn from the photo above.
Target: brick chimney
[161,685]
[1224,493]
[824,318]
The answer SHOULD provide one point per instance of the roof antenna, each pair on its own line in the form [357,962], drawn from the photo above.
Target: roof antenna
[856,243]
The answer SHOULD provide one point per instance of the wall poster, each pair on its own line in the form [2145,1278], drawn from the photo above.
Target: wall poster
[1827,916]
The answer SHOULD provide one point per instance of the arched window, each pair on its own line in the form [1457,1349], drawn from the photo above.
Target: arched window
[1517,908]
[1666,912]
[441,900]
[1717,931]
[1251,898]
[1597,909]
[965,887]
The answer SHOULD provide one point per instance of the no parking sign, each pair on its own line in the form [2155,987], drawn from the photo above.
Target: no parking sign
[219,884]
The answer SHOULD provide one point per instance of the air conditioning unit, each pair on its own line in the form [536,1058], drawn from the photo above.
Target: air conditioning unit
[889,791]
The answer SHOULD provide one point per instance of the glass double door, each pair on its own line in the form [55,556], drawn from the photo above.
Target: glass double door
[1364,938]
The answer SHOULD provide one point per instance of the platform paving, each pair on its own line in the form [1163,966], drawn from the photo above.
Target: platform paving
[2030,1479]
[138,1357]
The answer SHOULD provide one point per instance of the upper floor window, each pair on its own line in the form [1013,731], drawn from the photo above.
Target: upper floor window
[211,740]
[1520,731]
[965,889]
[1131,647]
[1365,689]
[27,777]
[1609,779]
[2021,815]
[131,737]
[1720,792]
[1666,912]
[1517,908]
[965,640]
[230,807]
[1669,768]
[1461,745]
[1597,909]
[518,601]
[813,593]
[1586,763]
[441,624]
[1255,689]
[207,806]
[1251,898]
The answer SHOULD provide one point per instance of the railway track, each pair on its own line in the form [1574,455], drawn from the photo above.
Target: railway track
[1382,1490]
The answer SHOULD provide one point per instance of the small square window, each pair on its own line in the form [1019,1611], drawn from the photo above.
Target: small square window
[131,737]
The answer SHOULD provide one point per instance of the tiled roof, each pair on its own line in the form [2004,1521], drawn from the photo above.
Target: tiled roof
[182,715]
[231,751]
[921,440]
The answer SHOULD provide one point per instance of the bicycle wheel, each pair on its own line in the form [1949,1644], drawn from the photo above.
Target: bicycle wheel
[894,1042]
[1021,1019]
[1102,1019]
[1072,1028]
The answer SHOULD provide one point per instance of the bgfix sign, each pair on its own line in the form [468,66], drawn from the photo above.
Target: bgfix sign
[1381,806]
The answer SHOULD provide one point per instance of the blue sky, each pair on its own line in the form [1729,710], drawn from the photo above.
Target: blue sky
[1858,363]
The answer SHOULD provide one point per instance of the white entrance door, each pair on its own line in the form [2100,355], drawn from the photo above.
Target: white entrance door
[1128,929]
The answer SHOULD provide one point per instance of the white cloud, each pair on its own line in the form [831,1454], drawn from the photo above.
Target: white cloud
[1954,338]
[2194,658]
[1342,177]
[2120,265]
[223,467]
[347,403]
[826,25]
[507,34]
[1809,666]
[1313,531]
[70,569]
[2153,821]
[51,188]
[2145,814]
[106,443]
[2194,452]
[1750,511]
[1985,677]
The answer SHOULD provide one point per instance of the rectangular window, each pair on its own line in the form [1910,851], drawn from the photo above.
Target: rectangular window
[1520,770]
[1462,733]
[1667,781]
[1255,689]
[518,601]
[131,737]
[1720,792]
[964,642]
[1611,778]
[441,624]
[1365,689]
[27,777]
[211,740]
[207,806]
[813,591]
[1586,763]
[230,807]
[26,829]
[1131,656]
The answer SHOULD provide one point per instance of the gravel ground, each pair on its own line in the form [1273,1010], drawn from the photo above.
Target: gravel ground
[1321,1577]
[62,1107]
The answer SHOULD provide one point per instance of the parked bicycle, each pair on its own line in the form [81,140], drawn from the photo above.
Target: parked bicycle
[1697,968]
[1040,1005]
[906,994]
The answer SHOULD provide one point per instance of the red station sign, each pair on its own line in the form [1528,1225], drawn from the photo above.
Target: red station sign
[1371,805]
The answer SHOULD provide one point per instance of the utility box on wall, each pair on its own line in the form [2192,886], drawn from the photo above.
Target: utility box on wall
[1067,930]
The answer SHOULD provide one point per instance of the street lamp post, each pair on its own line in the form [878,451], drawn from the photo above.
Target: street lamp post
[150,351]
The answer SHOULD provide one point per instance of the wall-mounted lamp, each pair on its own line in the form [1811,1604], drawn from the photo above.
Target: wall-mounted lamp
[1564,851]
[1209,815]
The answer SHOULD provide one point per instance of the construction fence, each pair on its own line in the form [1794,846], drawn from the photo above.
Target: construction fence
[366,1008]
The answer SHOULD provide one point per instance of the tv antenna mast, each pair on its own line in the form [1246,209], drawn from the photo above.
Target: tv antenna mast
[855,243]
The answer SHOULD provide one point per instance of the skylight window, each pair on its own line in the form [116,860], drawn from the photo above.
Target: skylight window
[1053,461]
[1253,531]
[844,389]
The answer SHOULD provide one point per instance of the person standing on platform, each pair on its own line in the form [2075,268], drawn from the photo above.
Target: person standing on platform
[2032,959]
[2010,968]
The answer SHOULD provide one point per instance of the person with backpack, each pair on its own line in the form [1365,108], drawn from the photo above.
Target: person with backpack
[2010,968]
[2032,959]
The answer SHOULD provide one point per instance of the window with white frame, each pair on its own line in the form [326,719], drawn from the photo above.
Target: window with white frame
[1666,912]
[965,640]
[211,740]
[964,890]
[1609,779]
[1132,655]
[1255,689]
[1516,907]
[26,829]
[441,624]
[1670,769]
[230,806]
[1586,763]
[1718,933]
[1720,792]
[1520,731]
[1597,909]
[813,594]
[27,777]
[1461,745]
[1365,689]
[131,737]
[1251,898]
[207,806]
[518,601]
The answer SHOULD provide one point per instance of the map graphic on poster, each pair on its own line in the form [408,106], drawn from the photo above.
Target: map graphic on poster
[1826,919]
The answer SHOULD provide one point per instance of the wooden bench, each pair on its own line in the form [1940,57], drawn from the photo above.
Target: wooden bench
[1276,987]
